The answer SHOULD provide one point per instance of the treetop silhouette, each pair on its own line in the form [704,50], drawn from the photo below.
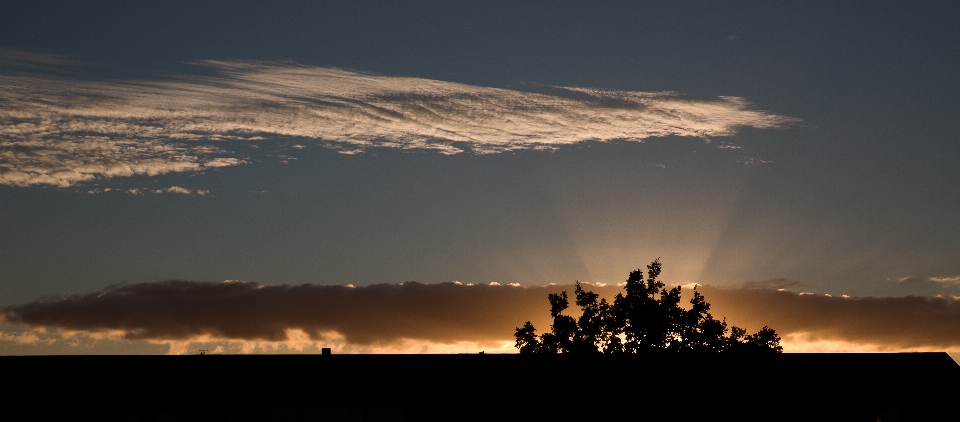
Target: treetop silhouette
[648,318]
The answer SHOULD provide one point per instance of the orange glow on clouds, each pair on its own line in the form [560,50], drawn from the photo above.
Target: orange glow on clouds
[429,318]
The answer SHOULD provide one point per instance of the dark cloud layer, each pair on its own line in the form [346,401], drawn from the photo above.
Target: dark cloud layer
[173,310]
[891,322]
[450,312]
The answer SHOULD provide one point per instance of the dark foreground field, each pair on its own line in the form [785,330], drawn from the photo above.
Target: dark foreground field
[787,387]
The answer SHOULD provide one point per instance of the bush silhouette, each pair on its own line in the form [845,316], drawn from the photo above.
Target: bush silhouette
[647,318]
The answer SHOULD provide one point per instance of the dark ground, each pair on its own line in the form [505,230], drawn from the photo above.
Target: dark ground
[787,387]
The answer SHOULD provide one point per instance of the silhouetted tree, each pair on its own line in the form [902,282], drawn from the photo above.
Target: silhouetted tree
[648,317]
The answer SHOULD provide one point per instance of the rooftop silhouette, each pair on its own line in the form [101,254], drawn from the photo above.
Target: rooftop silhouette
[647,386]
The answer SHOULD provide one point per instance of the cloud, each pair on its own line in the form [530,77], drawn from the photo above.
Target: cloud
[754,161]
[66,162]
[16,60]
[61,130]
[928,285]
[182,191]
[363,315]
[392,317]
[24,338]
[884,323]
[138,191]
[946,280]
[773,284]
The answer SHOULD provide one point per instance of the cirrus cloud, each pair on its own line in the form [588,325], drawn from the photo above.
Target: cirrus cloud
[63,130]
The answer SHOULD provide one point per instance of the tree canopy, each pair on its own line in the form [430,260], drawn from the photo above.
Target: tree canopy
[647,318]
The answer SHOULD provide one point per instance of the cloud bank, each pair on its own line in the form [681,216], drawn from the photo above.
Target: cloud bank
[177,310]
[888,323]
[449,313]
[60,130]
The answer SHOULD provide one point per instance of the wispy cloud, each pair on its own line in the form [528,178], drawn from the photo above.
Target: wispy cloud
[772,284]
[930,285]
[754,161]
[182,191]
[16,60]
[58,130]
[438,316]
[946,280]
[139,191]
[33,160]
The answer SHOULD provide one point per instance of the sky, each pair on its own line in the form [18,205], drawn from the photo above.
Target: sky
[414,177]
